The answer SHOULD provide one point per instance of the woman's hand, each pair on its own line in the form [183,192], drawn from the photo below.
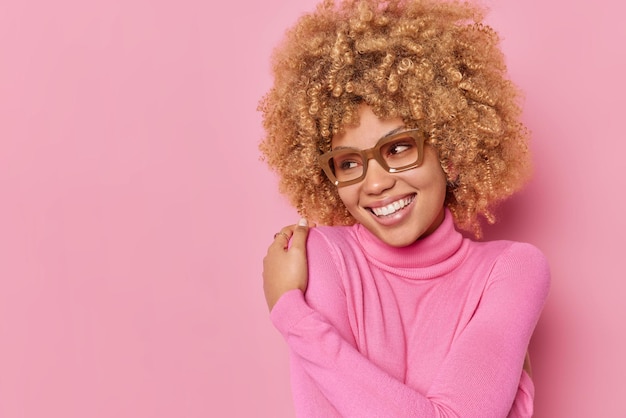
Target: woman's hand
[285,265]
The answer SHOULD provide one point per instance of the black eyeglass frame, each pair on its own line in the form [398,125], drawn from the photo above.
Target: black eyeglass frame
[374,153]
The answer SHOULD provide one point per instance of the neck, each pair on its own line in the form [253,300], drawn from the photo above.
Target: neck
[439,246]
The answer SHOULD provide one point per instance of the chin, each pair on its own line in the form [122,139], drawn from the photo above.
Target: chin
[407,234]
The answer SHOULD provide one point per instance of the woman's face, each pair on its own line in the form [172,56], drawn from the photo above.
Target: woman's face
[419,192]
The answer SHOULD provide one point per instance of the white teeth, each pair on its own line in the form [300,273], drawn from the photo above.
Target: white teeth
[392,207]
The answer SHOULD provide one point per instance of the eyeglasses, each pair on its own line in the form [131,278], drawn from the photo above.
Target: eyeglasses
[398,152]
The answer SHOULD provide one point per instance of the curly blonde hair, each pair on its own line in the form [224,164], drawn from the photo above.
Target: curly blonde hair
[431,63]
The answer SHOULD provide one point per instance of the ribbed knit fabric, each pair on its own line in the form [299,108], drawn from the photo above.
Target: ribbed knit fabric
[436,329]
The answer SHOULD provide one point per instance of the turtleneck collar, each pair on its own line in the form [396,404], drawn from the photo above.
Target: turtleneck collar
[428,257]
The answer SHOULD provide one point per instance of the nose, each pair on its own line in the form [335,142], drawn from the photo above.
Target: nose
[377,179]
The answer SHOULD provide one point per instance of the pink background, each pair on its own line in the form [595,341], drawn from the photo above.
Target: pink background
[135,213]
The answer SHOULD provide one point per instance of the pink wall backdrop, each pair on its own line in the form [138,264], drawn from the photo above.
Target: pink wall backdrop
[135,212]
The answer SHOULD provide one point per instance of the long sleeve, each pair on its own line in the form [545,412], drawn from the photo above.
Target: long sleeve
[480,375]
[352,384]
[480,371]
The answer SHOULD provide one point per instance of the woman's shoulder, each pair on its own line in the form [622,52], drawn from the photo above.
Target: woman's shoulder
[338,242]
[331,236]
[496,249]
[332,256]
[514,259]
[512,251]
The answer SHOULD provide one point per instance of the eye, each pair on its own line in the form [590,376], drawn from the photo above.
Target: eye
[399,147]
[347,161]
[345,165]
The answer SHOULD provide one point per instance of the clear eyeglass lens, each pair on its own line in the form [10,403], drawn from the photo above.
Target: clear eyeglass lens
[400,152]
[347,165]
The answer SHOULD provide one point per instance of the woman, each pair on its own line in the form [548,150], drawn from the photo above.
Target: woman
[393,123]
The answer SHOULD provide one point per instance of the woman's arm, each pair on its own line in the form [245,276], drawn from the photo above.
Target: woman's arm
[478,378]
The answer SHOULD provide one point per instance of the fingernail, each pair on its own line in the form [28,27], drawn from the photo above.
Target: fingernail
[303,222]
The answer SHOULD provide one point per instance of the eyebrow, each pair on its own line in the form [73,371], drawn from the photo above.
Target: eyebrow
[387,135]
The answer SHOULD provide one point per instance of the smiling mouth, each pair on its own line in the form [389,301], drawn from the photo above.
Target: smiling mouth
[392,208]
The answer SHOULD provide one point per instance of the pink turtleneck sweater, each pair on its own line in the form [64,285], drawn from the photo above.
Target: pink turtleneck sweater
[436,329]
